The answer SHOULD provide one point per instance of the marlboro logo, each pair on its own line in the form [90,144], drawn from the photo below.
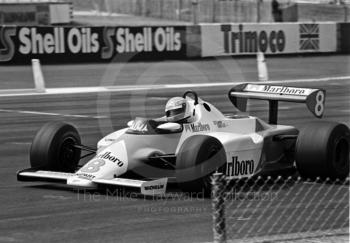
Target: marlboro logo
[110,157]
[240,168]
[199,127]
[284,90]
[278,90]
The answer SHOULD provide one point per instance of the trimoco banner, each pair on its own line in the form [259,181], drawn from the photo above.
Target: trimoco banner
[285,38]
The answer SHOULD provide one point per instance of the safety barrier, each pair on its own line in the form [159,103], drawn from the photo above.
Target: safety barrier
[92,44]
[344,39]
[276,209]
[78,44]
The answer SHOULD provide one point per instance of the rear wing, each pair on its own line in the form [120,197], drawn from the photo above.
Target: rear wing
[314,98]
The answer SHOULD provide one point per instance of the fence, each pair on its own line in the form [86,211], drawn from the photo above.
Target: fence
[206,10]
[35,12]
[275,209]
[209,11]
[215,10]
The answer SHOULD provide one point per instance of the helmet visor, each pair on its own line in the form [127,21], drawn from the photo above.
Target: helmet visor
[175,112]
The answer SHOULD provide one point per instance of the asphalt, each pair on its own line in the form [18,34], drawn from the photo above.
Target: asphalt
[224,69]
[42,212]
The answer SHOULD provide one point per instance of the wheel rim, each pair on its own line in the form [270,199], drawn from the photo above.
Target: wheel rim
[207,179]
[341,155]
[67,152]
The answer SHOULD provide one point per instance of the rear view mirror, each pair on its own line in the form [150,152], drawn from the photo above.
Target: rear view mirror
[170,127]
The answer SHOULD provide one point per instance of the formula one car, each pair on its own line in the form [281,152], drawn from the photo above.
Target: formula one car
[150,153]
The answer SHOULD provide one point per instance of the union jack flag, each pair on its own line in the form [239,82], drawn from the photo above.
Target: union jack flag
[309,37]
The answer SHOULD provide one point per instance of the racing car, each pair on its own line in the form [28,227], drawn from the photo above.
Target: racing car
[150,153]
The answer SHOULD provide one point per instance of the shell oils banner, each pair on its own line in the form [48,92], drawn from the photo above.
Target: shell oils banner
[91,44]
[285,38]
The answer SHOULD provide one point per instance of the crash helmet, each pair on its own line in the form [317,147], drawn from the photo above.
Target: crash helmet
[178,109]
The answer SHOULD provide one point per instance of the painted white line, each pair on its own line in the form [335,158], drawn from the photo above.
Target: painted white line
[51,114]
[17,91]
[56,197]
[158,98]
[123,88]
[98,13]
[20,143]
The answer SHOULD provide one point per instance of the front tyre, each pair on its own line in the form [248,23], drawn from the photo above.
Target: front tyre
[53,148]
[322,150]
[198,158]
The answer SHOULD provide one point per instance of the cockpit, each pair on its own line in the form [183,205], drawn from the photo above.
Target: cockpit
[144,126]
[178,110]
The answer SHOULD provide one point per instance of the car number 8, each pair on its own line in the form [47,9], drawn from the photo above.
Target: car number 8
[93,166]
[319,108]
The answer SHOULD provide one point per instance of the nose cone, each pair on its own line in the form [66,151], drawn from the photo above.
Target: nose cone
[79,182]
[107,164]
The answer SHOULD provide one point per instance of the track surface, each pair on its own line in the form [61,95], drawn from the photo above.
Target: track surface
[40,212]
[169,72]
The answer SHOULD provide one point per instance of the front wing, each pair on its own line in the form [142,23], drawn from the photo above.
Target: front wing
[150,187]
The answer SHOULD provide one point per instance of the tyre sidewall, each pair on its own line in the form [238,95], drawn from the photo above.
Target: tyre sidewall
[46,148]
[316,150]
[197,159]
[341,132]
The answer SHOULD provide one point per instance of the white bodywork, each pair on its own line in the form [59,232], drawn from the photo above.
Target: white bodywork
[242,137]
[242,142]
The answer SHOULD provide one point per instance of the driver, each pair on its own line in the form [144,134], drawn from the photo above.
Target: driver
[179,110]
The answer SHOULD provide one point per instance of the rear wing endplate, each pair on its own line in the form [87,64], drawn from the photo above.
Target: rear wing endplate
[314,98]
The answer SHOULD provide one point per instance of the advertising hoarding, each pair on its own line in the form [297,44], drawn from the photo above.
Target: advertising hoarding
[285,38]
[90,44]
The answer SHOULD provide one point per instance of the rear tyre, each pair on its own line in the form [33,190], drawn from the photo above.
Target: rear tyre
[53,148]
[198,158]
[322,150]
